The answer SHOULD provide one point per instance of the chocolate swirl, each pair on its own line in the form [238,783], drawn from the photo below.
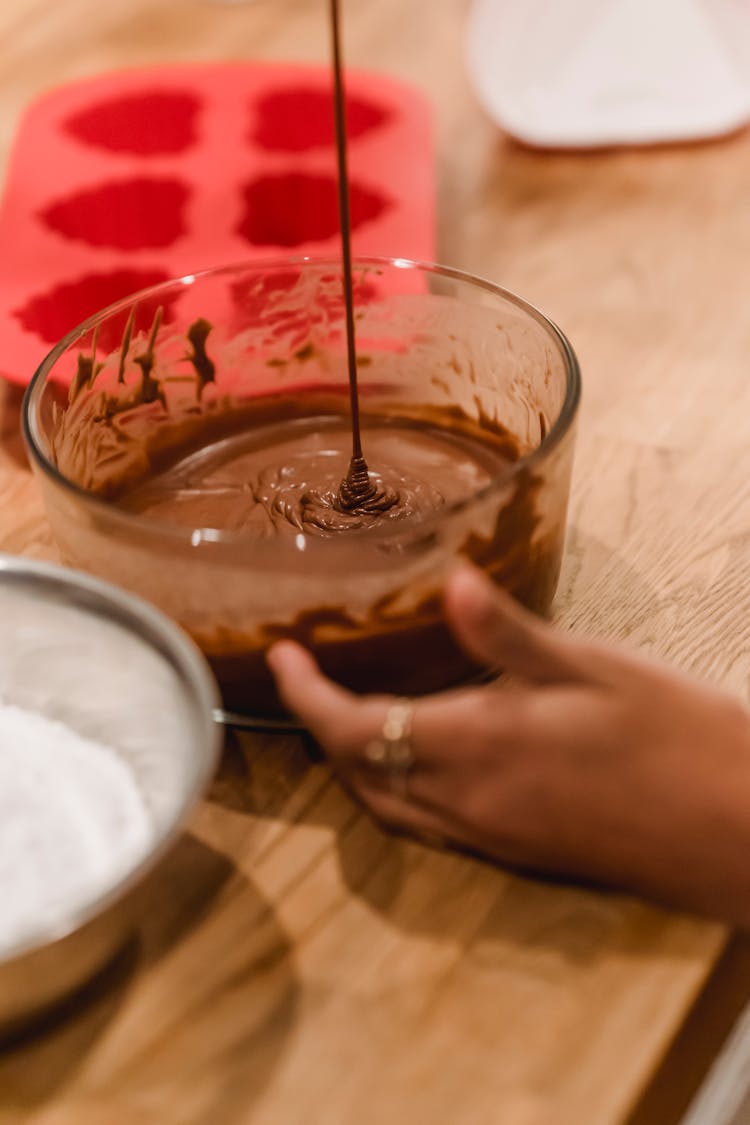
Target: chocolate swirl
[362,492]
[306,496]
[285,480]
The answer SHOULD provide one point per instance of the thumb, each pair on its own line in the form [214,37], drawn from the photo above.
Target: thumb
[498,632]
[311,696]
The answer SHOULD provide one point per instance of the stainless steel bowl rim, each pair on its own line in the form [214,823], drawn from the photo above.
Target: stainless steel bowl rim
[157,629]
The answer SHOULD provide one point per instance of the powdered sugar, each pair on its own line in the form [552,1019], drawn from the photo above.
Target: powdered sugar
[72,822]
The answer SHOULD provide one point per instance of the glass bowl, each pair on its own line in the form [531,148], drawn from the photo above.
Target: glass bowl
[173,436]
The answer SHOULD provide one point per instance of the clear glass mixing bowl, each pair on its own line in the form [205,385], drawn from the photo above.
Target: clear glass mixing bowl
[164,378]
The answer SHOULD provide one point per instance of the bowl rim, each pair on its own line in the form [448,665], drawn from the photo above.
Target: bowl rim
[194,537]
[163,635]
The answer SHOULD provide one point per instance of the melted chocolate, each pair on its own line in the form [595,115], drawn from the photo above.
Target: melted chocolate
[405,654]
[273,468]
[275,475]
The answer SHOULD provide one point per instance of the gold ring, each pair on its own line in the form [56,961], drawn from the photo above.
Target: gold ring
[392,752]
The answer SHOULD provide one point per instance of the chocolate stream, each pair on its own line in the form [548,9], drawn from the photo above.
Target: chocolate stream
[358,491]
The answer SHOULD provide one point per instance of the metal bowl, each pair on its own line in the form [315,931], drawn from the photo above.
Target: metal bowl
[113,669]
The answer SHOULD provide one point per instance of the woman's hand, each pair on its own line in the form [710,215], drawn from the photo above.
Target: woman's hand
[594,763]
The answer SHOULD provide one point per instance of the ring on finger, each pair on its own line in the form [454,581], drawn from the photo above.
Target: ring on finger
[392,752]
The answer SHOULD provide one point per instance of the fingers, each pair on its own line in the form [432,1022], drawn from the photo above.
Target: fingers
[341,721]
[461,743]
[310,695]
[496,631]
[344,724]
[301,685]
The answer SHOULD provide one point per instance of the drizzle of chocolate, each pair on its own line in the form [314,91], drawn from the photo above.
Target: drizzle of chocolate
[205,368]
[151,388]
[87,370]
[359,491]
[362,492]
[125,345]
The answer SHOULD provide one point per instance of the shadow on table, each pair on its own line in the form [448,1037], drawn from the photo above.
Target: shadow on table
[195,1008]
[37,1061]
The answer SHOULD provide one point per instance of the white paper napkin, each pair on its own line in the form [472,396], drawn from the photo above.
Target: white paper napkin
[585,73]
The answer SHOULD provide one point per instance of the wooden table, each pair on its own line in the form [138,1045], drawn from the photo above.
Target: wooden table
[298,965]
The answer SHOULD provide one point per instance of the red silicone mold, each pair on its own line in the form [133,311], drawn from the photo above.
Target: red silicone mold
[125,180]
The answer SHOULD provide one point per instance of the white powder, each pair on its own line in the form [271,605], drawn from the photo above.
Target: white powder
[72,821]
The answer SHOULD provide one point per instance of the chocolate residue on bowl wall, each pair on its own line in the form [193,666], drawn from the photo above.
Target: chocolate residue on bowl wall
[268,466]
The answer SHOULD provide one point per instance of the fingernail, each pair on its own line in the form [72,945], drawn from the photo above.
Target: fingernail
[471,579]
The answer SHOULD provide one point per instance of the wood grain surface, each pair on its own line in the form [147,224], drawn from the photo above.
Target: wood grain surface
[298,965]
